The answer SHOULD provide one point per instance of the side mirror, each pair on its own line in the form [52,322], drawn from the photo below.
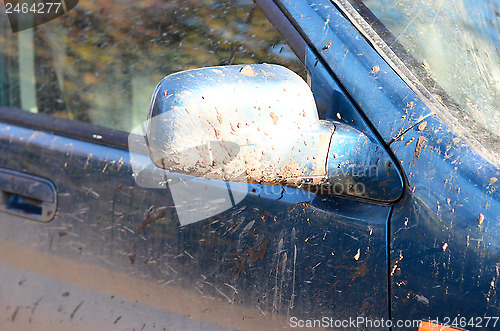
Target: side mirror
[259,124]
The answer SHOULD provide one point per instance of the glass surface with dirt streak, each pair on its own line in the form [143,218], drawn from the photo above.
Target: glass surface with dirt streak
[453,47]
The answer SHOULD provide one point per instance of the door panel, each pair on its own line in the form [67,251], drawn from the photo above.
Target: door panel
[444,256]
[444,236]
[272,256]
[117,249]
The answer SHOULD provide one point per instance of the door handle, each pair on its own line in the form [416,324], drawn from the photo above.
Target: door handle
[27,196]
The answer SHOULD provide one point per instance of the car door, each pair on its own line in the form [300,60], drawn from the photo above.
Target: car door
[418,75]
[444,237]
[84,245]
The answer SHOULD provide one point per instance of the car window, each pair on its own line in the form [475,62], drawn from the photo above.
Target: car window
[453,47]
[100,62]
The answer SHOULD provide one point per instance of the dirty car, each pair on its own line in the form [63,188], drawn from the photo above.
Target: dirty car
[251,165]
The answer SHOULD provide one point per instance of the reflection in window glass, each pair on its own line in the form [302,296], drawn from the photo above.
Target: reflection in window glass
[100,62]
[456,48]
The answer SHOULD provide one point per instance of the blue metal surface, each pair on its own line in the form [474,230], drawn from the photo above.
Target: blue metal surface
[375,88]
[277,254]
[444,232]
[445,236]
[281,251]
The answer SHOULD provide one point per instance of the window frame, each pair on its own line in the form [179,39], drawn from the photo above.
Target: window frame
[99,134]
[65,127]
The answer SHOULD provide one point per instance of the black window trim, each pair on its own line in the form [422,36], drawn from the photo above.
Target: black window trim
[66,127]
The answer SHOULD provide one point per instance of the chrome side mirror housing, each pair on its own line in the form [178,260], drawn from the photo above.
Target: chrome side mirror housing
[259,124]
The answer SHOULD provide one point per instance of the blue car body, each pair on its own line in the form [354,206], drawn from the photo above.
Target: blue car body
[113,255]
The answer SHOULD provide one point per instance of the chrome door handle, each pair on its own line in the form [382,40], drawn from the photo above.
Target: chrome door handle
[27,196]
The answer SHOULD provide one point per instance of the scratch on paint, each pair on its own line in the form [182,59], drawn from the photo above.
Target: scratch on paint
[76,309]
[304,204]
[87,162]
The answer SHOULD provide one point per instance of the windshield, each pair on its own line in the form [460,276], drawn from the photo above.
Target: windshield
[453,46]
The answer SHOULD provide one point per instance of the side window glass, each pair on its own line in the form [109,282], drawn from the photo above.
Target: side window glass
[100,62]
[453,47]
